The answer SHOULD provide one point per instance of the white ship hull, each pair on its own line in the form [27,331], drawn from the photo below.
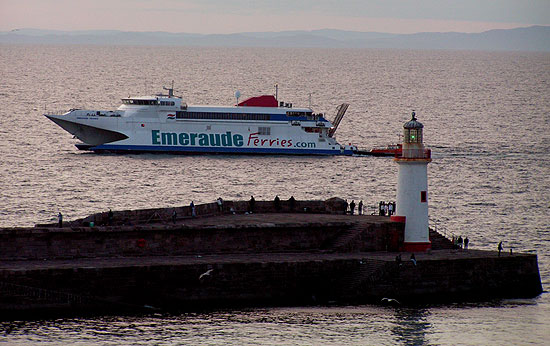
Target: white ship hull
[164,124]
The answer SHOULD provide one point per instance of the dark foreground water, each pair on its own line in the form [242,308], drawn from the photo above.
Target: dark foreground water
[486,117]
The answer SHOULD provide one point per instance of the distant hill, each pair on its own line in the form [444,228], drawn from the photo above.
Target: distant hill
[534,38]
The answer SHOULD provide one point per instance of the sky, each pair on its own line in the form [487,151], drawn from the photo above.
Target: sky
[230,16]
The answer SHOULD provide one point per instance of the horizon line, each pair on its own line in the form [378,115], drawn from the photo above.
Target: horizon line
[279,31]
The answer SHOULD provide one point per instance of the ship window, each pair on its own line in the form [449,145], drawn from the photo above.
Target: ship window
[297,114]
[221,116]
[264,131]
[140,102]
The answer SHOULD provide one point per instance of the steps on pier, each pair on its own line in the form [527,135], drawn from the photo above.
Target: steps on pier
[368,272]
[344,242]
[439,242]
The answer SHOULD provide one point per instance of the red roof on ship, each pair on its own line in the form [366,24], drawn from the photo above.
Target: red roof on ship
[260,101]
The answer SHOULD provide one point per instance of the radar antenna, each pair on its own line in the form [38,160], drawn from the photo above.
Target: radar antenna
[237,95]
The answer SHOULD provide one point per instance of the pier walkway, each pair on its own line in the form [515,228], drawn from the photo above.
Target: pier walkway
[117,262]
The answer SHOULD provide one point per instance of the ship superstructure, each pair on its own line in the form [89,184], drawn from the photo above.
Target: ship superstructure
[163,123]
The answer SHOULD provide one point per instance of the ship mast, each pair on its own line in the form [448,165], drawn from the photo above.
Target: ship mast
[170,90]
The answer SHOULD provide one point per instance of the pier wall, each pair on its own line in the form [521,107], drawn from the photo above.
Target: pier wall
[177,240]
[179,286]
[454,277]
[161,240]
[208,235]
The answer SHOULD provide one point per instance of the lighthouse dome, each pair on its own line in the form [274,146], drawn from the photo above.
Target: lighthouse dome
[413,123]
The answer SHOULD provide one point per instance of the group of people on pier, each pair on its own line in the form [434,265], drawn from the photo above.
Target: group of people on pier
[350,208]
[459,243]
[277,203]
[386,208]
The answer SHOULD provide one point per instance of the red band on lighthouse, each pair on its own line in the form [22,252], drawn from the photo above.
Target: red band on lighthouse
[417,247]
[397,218]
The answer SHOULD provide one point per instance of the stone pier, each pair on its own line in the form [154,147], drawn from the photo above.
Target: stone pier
[306,253]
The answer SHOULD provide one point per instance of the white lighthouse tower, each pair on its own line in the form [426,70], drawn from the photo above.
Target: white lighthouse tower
[412,187]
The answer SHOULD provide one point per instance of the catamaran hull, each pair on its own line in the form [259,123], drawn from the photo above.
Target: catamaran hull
[92,135]
[122,149]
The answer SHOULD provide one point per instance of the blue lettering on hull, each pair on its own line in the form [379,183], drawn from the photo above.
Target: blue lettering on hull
[197,139]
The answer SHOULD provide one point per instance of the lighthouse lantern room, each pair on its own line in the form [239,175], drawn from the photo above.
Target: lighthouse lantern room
[412,187]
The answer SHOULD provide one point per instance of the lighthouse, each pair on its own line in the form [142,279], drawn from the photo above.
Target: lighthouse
[412,187]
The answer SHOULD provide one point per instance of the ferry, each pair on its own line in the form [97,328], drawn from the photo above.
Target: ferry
[164,124]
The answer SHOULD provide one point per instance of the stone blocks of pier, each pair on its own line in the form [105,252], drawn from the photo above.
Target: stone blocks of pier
[258,233]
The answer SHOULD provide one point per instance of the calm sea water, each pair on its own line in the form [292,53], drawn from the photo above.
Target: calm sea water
[486,118]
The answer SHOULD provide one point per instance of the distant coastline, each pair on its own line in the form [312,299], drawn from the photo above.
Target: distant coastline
[533,38]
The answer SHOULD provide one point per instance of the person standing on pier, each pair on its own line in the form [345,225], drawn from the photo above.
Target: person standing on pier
[499,248]
[251,204]
[390,209]
[398,259]
[460,241]
[466,242]
[352,207]
[60,219]
[174,216]
[381,208]
[292,203]
[110,216]
[360,208]
[219,202]
[277,203]
[193,212]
